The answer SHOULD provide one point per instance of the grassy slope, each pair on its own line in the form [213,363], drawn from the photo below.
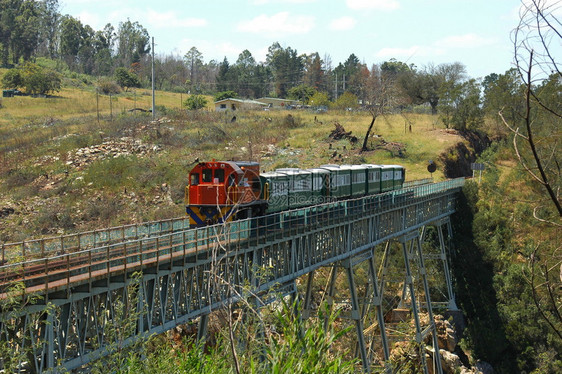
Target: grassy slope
[39,137]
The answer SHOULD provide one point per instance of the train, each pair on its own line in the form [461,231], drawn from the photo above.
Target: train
[220,191]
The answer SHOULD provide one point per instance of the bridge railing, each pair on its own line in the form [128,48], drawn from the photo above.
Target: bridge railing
[58,245]
[69,264]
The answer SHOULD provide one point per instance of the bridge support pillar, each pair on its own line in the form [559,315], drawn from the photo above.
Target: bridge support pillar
[360,306]
[411,248]
[445,246]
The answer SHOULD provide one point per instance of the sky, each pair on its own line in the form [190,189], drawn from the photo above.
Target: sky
[476,33]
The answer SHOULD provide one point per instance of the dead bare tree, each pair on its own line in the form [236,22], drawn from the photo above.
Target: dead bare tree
[536,141]
[383,95]
[536,39]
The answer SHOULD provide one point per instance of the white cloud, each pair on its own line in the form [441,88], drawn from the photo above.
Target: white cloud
[278,24]
[464,41]
[343,23]
[218,51]
[88,18]
[170,19]
[413,51]
[373,4]
[438,48]
[263,2]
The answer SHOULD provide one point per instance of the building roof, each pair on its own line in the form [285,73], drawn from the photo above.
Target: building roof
[241,101]
[277,99]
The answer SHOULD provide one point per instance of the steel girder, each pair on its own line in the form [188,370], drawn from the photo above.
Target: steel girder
[78,326]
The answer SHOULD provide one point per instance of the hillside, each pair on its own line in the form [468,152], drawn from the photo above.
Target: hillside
[63,170]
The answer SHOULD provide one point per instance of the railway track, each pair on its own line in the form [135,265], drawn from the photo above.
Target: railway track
[49,267]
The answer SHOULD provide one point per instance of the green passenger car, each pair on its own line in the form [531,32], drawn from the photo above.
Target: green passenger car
[340,181]
[300,187]
[358,180]
[373,182]
[276,190]
[320,181]
[387,178]
[398,177]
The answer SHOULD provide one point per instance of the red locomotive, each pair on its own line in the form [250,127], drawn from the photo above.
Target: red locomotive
[219,191]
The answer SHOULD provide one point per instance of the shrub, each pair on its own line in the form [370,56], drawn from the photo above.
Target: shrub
[195,102]
[126,78]
[107,86]
[12,79]
[33,78]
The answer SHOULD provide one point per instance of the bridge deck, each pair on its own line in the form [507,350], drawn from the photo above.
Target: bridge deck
[82,277]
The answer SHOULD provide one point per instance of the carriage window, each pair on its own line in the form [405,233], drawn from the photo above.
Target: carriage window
[219,175]
[194,179]
[207,175]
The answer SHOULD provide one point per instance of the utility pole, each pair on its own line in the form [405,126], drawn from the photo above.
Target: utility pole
[153,101]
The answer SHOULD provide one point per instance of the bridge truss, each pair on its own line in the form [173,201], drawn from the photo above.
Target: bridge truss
[392,244]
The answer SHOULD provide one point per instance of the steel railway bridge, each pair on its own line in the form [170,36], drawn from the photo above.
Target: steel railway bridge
[397,242]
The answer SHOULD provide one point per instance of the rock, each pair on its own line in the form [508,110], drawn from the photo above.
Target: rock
[5,212]
[113,148]
[484,367]
[446,335]
[450,362]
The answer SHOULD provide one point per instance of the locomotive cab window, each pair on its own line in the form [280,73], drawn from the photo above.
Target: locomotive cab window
[231,180]
[207,175]
[219,175]
[194,179]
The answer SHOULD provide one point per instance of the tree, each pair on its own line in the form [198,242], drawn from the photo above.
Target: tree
[126,78]
[346,101]
[287,68]
[194,61]
[19,29]
[225,95]
[245,70]
[430,85]
[505,93]
[314,74]
[536,144]
[194,102]
[133,43]
[302,92]
[319,99]
[469,114]
[33,78]
[535,39]
[452,91]
[224,76]
[103,44]
[77,44]
[49,25]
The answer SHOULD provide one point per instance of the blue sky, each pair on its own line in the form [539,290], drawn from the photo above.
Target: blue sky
[473,32]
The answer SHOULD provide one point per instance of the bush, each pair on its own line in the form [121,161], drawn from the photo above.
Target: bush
[107,86]
[195,102]
[33,78]
[12,79]
[126,78]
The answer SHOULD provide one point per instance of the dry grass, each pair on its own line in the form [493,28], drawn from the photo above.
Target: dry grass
[75,102]
[38,136]
[426,140]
